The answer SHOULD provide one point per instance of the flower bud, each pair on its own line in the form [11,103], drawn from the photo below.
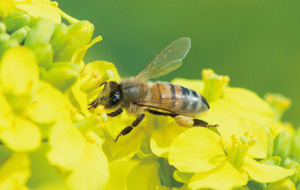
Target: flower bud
[3,39]
[20,34]
[284,184]
[15,21]
[290,164]
[282,144]
[270,141]
[62,75]
[295,150]
[6,43]
[2,28]
[79,34]
[273,161]
[44,55]
[256,185]
[59,37]
[40,33]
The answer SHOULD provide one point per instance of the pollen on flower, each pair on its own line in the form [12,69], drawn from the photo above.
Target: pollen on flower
[90,140]
[239,148]
[84,72]
[243,170]
[249,134]
[223,143]
[253,141]
[96,76]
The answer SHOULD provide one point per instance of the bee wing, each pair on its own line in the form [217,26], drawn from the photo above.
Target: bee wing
[162,104]
[167,60]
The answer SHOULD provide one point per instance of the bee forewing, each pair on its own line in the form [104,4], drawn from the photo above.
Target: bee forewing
[167,60]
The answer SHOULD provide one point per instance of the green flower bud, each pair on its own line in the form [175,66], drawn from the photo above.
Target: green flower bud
[290,164]
[6,43]
[295,150]
[59,37]
[44,55]
[3,40]
[40,33]
[254,185]
[270,141]
[274,161]
[62,75]
[282,145]
[2,28]
[284,184]
[20,34]
[15,21]
[79,34]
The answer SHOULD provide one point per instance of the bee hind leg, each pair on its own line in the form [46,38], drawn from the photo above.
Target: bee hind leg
[201,123]
[128,129]
[183,121]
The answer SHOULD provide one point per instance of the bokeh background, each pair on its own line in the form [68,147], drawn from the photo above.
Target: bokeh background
[255,42]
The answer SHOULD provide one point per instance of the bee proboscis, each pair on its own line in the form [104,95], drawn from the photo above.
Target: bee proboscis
[137,94]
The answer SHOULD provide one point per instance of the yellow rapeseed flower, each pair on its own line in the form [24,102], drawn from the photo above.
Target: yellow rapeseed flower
[14,172]
[35,8]
[27,101]
[219,163]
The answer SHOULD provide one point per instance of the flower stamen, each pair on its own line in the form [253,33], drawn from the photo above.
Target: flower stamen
[239,148]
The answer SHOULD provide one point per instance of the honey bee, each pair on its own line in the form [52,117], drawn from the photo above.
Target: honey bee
[137,95]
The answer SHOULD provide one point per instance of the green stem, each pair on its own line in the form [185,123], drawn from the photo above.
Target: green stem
[68,17]
[164,173]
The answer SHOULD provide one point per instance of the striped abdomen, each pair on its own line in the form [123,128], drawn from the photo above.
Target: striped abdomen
[177,99]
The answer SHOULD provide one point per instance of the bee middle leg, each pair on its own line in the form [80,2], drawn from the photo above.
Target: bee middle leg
[154,112]
[127,130]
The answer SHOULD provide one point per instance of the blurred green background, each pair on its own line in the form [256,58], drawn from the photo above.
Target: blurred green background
[256,43]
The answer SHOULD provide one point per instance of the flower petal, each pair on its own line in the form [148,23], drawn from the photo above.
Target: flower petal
[22,135]
[118,171]
[19,69]
[67,146]
[15,172]
[6,113]
[196,150]
[92,171]
[240,126]
[225,176]
[144,176]
[50,104]
[266,173]
[41,8]
[249,104]
[163,135]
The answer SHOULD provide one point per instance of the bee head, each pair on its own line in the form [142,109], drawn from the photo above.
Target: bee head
[110,96]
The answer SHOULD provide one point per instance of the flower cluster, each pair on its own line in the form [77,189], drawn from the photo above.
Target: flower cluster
[49,139]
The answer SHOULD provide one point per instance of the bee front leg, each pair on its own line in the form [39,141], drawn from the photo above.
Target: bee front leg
[115,113]
[127,130]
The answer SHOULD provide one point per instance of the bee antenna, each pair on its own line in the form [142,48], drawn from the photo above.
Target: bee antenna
[103,84]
